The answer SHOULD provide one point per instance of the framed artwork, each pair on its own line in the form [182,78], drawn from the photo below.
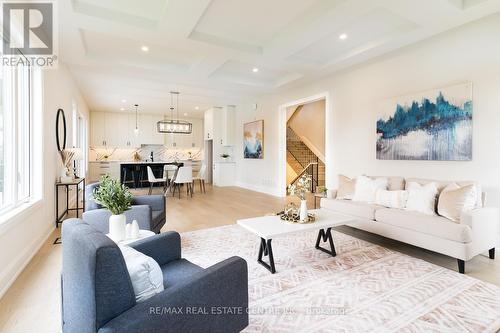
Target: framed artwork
[253,140]
[434,125]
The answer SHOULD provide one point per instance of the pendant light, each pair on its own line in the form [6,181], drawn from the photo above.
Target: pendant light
[174,125]
[136,129]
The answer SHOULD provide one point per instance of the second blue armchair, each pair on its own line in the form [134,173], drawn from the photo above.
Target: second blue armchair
[148,210]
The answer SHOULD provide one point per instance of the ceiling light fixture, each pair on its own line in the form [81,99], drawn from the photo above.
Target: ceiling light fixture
[124,101]
[144,48]
[343,36]
[185,114]
[255,69]
[174,126]
[196,107]
[136,129]
[122,109]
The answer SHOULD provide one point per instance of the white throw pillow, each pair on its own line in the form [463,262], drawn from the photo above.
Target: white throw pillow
[366,188]
[454,200]
[391,199]
[346,188]
[145,273]
[422,198]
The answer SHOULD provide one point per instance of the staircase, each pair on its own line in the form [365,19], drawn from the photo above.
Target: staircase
[302,160]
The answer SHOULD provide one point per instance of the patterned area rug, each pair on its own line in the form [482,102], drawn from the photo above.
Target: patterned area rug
[365,288]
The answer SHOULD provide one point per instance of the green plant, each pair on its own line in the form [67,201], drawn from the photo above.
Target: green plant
[113,196]
[301,187]
[322,189]
[224,155]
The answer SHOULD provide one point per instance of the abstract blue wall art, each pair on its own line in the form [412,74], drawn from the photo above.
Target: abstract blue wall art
[253,140]
[434,125]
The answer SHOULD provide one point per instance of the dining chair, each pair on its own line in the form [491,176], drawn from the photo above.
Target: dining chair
[153,180]
[201,177]
[184,176]
[169,173]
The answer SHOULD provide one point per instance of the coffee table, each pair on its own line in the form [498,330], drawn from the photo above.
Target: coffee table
[270,227]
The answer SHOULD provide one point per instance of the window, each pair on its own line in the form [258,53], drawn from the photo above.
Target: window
[16,141]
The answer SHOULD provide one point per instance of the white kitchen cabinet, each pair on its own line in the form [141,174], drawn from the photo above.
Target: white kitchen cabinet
[224,173]
[99,169]
[228,124]
[116,129]
[208,125]
[98,129]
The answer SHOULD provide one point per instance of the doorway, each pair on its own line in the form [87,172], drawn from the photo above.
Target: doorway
[305,141]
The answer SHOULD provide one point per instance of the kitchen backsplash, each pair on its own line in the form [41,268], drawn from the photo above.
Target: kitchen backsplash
[160,153]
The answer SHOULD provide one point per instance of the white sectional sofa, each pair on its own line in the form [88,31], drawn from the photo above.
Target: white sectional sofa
[477,231]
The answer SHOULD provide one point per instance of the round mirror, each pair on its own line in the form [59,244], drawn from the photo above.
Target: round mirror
[60,130]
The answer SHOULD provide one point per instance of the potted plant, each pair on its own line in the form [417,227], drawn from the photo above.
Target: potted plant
[322,190]
[117,199]
[299,189]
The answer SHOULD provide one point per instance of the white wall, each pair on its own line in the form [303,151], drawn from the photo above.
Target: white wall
[22,236]
[470,53]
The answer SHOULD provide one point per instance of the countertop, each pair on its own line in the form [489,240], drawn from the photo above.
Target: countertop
[141,162]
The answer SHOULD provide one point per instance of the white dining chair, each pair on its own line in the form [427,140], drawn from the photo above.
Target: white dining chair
[201,177]
[153,180]
[169,171]
[184,176]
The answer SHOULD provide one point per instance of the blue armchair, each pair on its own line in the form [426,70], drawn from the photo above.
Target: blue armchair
[97,294]
[148,210]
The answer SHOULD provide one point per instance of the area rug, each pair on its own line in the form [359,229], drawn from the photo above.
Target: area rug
[365,288]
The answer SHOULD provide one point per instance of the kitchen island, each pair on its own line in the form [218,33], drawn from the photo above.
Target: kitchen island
[136,173]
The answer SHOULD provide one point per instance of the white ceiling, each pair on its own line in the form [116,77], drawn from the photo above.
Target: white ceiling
[206,49]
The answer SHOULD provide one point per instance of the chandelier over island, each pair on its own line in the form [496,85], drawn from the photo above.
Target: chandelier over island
[174,125]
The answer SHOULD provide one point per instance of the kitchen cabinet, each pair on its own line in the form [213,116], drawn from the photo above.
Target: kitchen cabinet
[224,173]
[99,169]
[208,124]
[98,129]
[113,129]
[228,126]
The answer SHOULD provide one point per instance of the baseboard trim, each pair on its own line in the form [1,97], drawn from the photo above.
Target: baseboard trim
[22,263]
[257,188]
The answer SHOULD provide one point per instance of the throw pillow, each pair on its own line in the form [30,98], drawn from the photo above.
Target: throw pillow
[346,188]
[366,188]
[391,199]
[454,200]
[422,198]
[145,273]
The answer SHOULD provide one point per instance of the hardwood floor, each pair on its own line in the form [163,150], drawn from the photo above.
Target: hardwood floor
[33,302]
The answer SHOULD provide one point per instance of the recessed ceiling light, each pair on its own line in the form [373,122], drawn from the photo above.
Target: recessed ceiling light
[185,114]
[196,107]
[122,109]
[255,69]
[144,48]
[343,36]
[124,101]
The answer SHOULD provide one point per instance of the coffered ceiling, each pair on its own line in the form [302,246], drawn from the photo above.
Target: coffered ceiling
[218,52]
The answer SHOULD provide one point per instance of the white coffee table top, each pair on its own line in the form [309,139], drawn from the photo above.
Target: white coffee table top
[142,234]
[269,227]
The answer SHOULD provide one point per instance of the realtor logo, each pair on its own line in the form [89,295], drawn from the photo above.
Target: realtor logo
[28,33]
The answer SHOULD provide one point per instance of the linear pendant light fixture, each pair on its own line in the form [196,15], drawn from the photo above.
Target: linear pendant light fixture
[174,126]
[136,129]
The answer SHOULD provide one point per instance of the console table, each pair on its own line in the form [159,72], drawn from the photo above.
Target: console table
[75,182]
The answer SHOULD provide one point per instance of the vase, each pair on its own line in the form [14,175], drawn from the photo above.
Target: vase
[303,210]
[117,227]
[134,230]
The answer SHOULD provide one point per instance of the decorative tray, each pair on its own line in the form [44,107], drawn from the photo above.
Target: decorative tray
[294,218]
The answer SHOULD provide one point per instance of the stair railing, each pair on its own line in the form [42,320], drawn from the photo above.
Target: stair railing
[312,170]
